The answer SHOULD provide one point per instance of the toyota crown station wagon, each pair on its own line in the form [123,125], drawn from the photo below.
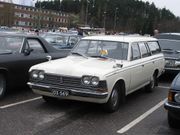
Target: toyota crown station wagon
[100,69]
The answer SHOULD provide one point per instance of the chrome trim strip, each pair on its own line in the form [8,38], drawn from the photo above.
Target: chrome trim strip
[73,91]
[133,66]
[168,105]
[175,69]
[38,85]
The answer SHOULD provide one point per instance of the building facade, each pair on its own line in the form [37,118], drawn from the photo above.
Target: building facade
[31,17]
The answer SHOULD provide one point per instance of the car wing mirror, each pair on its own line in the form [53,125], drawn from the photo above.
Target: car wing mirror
[28,51]
[49,58]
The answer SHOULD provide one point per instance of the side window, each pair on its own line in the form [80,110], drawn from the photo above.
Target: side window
[135,52]
[154,47]
[143,49]
[36,46]
[73,41]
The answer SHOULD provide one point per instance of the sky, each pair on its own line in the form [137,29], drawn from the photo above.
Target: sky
[172,5]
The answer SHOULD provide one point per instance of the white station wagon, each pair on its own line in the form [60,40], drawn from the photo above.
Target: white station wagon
[100,69]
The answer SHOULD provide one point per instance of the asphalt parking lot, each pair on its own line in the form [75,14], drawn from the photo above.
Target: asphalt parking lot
[24,113]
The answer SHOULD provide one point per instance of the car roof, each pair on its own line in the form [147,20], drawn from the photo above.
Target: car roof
[17,35]
[63,34]
[172,36]
[120,38]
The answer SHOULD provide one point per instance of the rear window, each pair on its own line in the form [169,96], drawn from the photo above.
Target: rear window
[154,47]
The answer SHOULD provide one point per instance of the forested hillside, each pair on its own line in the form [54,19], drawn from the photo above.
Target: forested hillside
[133,16]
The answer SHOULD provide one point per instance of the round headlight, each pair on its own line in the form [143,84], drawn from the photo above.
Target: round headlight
[86,80]
[41,75]
[177,97]
[95,81]
[34,74]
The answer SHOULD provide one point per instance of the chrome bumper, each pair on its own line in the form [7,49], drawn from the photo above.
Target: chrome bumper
[171,107]
[72,91]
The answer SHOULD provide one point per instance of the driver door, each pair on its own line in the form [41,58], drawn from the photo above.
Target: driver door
[36,54]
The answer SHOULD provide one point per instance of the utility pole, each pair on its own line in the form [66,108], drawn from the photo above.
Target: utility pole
[115,18]
[39,18]
[86,18]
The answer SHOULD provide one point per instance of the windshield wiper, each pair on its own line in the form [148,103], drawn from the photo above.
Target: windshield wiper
[99,56]
[80,54]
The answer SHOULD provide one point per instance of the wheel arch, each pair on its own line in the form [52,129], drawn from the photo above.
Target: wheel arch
[4,71]
[121,84]
[156,72]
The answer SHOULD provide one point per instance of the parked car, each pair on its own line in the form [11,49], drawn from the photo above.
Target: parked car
[100,69]
[18,53]
[173,103]
[62,40]
[170,44]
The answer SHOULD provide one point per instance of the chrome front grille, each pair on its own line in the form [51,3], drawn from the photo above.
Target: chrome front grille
[61,80]
[170,63]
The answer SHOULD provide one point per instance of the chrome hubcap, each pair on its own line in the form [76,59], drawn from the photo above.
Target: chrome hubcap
[1,86]
[152,82]
[114,97]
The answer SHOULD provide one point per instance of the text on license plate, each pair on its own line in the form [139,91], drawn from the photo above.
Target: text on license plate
[62,93]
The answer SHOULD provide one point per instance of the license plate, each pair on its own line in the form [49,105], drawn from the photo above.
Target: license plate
[61,93]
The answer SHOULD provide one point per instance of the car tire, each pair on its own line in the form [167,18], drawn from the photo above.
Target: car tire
[2,86]
[49,99]
[173,122]
[116,98]
[150,87]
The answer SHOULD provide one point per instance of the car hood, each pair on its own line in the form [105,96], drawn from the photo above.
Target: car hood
[78,66]
[176,83]
[171,55]
[3,52]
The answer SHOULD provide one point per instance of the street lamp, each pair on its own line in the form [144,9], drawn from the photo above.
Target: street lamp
[104,25]
[115,18]
[105,12]
[86,19]
[39,19]
[93,3]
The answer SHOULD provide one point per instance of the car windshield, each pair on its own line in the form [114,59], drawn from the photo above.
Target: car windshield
[10,44]
[103,49]
[57,39]
[169,45]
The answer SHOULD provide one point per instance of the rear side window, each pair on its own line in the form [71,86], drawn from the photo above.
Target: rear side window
[154,47]
[135,52]
[143,49]
[36,46]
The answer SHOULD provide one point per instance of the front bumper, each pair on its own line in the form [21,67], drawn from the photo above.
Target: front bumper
[172,70]
[173,109]
[73,92]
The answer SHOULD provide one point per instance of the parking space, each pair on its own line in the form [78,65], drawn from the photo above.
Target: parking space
[155,124]
[35,117]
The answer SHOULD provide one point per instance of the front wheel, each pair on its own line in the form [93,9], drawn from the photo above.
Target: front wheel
[114,100]
[2,85]
[173,122]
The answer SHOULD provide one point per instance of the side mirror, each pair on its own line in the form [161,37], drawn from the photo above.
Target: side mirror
[28,51]
[48,57]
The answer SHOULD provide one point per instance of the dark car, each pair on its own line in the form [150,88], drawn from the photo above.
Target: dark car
[170,44]
[62,40]
[18,53]
[173,103]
